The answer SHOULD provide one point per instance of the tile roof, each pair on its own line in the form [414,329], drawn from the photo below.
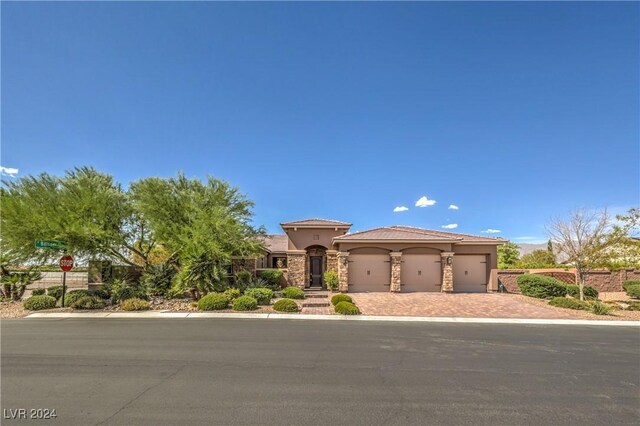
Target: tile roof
[398,232]
[315,221]
[276,243]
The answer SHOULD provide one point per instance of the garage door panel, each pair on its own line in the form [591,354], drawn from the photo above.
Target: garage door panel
[470,273]
[369,272]
[421,272]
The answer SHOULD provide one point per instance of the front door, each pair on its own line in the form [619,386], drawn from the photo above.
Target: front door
[316,271]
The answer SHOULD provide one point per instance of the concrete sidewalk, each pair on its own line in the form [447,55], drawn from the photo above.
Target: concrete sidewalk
[189,315]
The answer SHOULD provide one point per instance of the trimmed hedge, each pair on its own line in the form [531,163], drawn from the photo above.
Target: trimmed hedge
[273,277]
[262,295]
[135,305]
[293,293]
[72,296]
[286,305]
[632,288]
[541,286]
[347,308]
[232,293]
[574,291]
[213,302]
[38,292]
[245,303]
[569,303]
[55,291]
[337,298]
[88,302]
[37,303]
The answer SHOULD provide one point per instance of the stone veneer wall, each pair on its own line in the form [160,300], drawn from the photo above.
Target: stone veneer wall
[332,260]
[447,273]
[296,266]
[343,272]
[396,267]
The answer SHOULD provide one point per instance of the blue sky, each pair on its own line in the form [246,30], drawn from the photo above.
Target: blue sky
[514,112]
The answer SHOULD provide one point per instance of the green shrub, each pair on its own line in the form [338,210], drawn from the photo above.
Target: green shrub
[630,283]
[88,302]
[589,292]
[541,286]
[600,308]
[273,278]
[337,298]
[293,293]
[286,305]
[72,296]
[37,303]
[55,291]
[135,304]
[347,308]
[122,290]
[262,295]
[100,293]
[38,292]
[213,302]
[245,303]
[331,279]
[232,293]
[242,280]
[159,278]
[632,288]
[569,303]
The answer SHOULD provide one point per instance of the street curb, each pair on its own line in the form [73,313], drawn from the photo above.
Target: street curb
[187,315]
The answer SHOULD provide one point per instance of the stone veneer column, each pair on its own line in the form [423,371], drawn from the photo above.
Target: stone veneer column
[343,271]
[296,265]
[332,260]
[396,267]
[447,273]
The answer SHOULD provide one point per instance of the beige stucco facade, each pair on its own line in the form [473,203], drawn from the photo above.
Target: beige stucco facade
[382,258]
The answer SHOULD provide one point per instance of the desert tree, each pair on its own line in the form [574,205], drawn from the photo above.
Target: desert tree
[85,208]
[585,238]
[508,255]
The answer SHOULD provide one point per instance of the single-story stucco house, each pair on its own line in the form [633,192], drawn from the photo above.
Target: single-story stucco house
[390,258]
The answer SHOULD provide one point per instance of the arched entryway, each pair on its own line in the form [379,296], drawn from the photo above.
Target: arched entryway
[316,266]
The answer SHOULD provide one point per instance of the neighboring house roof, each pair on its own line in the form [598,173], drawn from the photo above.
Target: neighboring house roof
[277,243]
[404,233]
[315,223]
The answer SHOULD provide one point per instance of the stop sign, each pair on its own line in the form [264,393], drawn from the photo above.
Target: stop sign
[66,263]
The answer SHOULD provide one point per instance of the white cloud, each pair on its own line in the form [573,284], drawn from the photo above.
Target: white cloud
[400,209]
[453,207]
[450,226]
[8,171]
[491,231]
[424,202]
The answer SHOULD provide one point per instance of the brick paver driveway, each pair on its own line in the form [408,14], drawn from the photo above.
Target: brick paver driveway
[484,305]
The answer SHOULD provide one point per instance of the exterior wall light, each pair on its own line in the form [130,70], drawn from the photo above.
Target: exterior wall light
[449,260]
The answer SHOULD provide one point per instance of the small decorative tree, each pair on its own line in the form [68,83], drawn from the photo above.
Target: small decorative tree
[586,239]
[331,279]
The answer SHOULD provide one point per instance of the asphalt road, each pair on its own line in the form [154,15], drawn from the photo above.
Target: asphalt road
[218,371]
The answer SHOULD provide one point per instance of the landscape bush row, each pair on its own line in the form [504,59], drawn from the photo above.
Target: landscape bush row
[544,287]
[343,304]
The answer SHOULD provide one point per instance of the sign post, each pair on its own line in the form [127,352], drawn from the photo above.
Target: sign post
[66,264]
